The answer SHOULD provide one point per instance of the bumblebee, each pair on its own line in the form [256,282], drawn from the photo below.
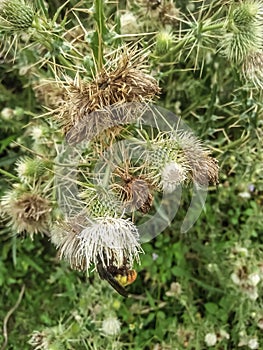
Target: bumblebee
[117,277]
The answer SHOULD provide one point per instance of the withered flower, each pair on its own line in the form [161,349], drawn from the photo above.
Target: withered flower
[136,195]
[252,69]
[27,212]
[121,81]
[204,168]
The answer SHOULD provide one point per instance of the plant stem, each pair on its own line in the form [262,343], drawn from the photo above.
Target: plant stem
[9,174]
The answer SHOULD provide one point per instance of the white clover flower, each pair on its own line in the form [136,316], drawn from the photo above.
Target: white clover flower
[252,293]
[7,113]
[254,279]
[244,195]
[210,339]
[235,278]
[111,326]
[172,175]
[253,343]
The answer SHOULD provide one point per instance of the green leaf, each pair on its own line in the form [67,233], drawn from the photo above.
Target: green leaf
[211,308]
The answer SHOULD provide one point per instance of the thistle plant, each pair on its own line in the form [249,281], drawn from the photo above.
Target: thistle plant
[117,114]
[27,210]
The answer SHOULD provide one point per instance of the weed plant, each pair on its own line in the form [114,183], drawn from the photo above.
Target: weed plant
[79,71]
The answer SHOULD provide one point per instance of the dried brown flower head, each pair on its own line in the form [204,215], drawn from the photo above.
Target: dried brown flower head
[123,80]
[28,212]
[50,94]
[204,169]
[136,194]
[169,14]
[252,69]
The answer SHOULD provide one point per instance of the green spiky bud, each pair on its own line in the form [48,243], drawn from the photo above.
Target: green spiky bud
[246,14]
[167,165]
[245,34]
[164,41]
[15,15]
[29,168]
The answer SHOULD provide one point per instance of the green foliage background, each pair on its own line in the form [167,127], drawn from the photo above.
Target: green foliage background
[68,307]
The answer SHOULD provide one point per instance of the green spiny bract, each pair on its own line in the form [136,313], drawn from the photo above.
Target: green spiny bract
[245,35]
[15,15]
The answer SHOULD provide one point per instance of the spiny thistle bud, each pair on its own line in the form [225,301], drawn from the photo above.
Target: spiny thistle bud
[15,15]
[99,203]
[103,240]
[246,13]
[167,165]
[245,26]
[164,41]
[28,212]
[28,168]
[252,69]
[177,157]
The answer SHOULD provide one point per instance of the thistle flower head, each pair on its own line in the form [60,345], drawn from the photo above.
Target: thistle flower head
[176,157]
[245,32]
[48,339]
[129,23]
[167,167]
[164,40]
[28,168]
[111,326]
[28,212]
[15,15]
[50,93]
[121,81]
[133,190]
[252,69]
[105,240]
[135,194]
[203,168]
[172,175]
